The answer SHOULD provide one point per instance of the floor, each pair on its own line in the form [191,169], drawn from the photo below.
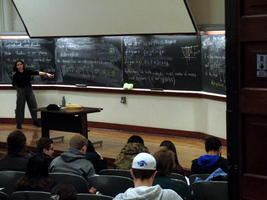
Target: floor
[113,140]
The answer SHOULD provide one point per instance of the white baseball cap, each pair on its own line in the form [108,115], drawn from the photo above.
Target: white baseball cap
[144,161]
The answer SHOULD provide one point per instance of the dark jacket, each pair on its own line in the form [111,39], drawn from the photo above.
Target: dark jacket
[96,160]
[74,162]
[14,162]
[207,164]
[23,79]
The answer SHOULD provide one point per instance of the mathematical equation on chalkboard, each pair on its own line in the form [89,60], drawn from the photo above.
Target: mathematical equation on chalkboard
[213,63]
[176,62]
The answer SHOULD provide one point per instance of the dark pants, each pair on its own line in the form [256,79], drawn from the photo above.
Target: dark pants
[23,95]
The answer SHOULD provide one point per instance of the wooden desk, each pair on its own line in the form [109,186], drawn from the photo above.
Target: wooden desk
[70,120]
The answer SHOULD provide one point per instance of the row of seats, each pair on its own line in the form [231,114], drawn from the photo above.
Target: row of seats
[34,195]
[126,173]
[112,185]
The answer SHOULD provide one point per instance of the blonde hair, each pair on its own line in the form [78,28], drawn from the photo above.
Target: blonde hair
[78,141]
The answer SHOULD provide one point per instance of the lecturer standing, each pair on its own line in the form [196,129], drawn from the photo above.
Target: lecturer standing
[22,82]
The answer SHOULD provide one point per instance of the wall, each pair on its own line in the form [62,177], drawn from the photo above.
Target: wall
[207,11]
[9,19]
[179,113]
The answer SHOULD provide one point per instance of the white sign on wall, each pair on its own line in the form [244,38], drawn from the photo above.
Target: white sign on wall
[261,66]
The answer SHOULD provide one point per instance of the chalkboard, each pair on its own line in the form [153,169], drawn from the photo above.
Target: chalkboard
[163,62]
[91,61]
[213,63]
[38,54]
[174,62]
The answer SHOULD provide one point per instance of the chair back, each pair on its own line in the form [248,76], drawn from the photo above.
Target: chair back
[177,176]
[30,195]
[83,196]
[110,185]
[116,172]
[193,177]
[78,182]
[210,190]
[180,187]
[4,196]
[8,180]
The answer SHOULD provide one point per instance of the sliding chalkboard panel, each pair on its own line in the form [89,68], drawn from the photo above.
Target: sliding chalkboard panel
[163,62]
[38,54]
[90,61]
[213,63]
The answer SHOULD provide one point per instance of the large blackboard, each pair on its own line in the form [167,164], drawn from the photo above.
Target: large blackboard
[167,62]
[91,61]
[213,63]
[38,54]
[175,62]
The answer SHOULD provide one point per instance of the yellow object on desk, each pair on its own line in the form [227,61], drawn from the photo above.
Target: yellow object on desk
[73,106]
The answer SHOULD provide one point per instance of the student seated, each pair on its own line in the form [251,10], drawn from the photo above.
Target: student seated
[170,146]
[213,160]
[36,177]
[16,158]
[135,145]
[143,172]
[165,163]
[96,159]
[45,147]
[74,159]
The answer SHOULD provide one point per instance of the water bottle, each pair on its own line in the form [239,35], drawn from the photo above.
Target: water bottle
[63,102]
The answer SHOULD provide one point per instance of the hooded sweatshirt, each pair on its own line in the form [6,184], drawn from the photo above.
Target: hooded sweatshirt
[207,164]
[148,193]
[74,162]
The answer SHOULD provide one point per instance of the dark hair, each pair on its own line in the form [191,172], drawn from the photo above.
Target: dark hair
[165,161]
[43,143]
[135,139]
[142,174]
[90,147]
[212,144]
[170,146]
[36,175]
[15,69]
[16,142]
[64,192]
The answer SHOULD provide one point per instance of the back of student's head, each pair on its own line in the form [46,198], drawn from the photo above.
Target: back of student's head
[90,147]
[16,142]
[44,143]
[212,144]
[78,141]
[135,139]
[165,161]
[63,192]
[37,167]
[143,166]
[170,146]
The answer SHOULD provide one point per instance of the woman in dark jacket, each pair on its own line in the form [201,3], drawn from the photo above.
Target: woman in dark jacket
[22,81]
[36,177]
[170,146]
[96,159]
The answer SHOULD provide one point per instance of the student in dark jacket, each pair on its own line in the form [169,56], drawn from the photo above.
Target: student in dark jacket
[36,177]
[96,159]
[16,158]
[45,147]
[213,160]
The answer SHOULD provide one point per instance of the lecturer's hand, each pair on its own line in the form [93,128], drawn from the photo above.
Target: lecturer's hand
[50,75]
